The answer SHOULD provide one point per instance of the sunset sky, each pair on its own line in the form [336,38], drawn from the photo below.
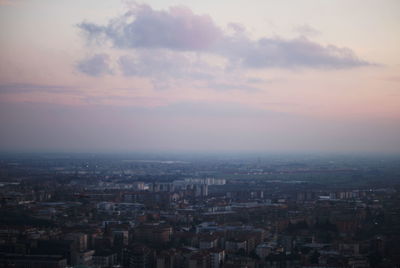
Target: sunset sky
[208,76]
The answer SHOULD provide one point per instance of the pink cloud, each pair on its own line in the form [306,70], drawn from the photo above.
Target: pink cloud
[177,28]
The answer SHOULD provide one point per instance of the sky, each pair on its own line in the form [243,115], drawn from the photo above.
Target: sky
[200,76]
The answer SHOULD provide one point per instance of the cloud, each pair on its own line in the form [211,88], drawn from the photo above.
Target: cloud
[33,88]
[142,27]
[231,86]
[149,62]
[96,65]
[144,30]
[256,80]
[306,30]
[161,63]
[209,109]
[161,66]
[281,53]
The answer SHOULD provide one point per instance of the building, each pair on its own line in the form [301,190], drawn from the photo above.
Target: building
[217,257]
[104,259]
[32,261]
[140,257]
